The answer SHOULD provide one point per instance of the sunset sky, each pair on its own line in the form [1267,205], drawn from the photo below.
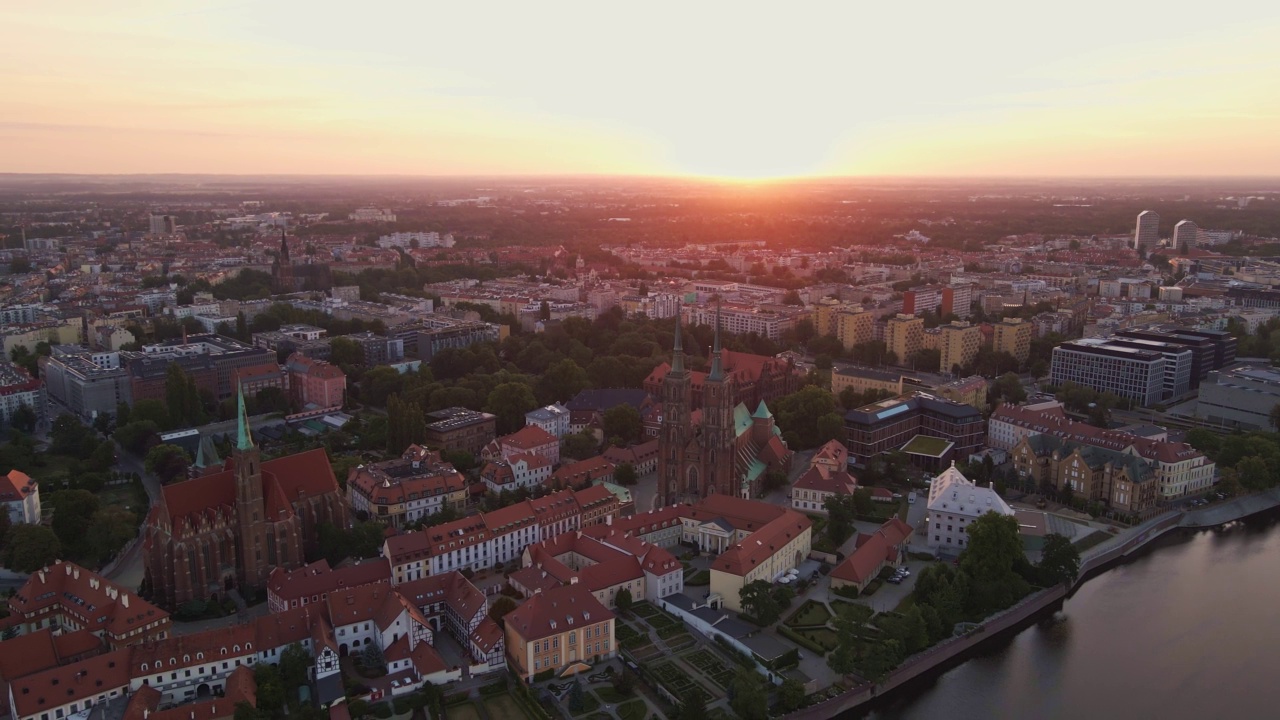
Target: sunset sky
[741,90]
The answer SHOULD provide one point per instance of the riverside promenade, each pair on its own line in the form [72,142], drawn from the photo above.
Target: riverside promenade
[1092,561]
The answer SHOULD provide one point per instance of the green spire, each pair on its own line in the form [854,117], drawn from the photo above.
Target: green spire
[244,437]
[717,369]
[677,351]
[206,453]
[762,411]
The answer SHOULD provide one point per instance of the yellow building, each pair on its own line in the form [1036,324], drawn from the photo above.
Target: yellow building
[557,628]
[970,391]
[824,313]
[1013,335]
[862,379]
[778,546]
[931,339]
[904,335]
[853,327]
[959,346]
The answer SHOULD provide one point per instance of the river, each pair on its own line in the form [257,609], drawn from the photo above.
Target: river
[1188,628]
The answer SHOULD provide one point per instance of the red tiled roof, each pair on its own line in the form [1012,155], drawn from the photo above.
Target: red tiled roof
[1055,422]
[528,437]
[99,604]
[43,691]
[872,552]
[15,485]
[820,479]
[760,545]
[556,610]
[318,579]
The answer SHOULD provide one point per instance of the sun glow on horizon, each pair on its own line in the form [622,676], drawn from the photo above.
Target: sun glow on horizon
[735,93]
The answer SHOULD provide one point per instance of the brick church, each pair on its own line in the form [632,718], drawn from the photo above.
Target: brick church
[232,523]
[720,448]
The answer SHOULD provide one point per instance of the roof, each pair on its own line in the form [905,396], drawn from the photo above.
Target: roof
[872,551]
[744,556]
[1054,421]
[55,687]
[952,492]
[40,650]
[98,604]
[528,437]
[820,478]
[16,485]
[556,610]
[318,579]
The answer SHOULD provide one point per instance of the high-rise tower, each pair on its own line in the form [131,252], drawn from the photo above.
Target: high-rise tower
[1147,233]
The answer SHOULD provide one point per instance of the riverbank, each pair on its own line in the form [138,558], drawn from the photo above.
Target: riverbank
[1096,561]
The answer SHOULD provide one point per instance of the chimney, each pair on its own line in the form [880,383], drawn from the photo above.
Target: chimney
[124,600]
[75,574]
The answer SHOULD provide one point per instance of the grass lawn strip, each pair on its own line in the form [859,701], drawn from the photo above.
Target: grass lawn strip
[811,612]
[504,706]
[710,666]
[855,611]
[633,710]
[466,711]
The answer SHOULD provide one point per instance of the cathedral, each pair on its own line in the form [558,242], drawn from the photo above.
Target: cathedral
[232,523]
[722,447]
[290,277]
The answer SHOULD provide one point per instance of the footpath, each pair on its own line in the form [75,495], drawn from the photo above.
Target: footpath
[1092,561]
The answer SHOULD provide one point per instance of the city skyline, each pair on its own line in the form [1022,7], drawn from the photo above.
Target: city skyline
[710,91]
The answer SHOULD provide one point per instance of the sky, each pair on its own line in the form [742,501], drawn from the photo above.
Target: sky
[740,90]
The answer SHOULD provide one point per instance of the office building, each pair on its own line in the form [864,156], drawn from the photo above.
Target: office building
[895,423]
[1240,396]
[86,383]
[1013,336]
[1147,233]
[958,345]
[904,335]
[1136,375]
[1178,364]
[229,357]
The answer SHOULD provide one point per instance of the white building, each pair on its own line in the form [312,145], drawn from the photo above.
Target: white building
[1147,233]
[163,224]
[552,418]
[423,239]
[1138,375]
[954,503]
[1186,234]
[368,214]
[20,496]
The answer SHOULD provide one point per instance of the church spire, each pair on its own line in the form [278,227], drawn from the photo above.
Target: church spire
[717,368]
[284,247]
[677,351]
[244,436]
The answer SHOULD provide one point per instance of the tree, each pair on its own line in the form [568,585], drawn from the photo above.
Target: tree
[1038,368]
[562,381]
[1275,416]
[153,411]
[294,664]
[73,512]
[622,422]
[138,437]
[624,683]
[800,412]
[843,660]
[749,700]
[345,352]
[1206,441]
[500,608]
[758,601]
[1059,560]
[182,398]
[245,711]
[167,462]
[27,548]
[24,418]
[830,427]
[69,437]
[790,695]
[791,297]
[509,402]
[1007,388]
[580,446]
[623,600]
[372,658]
[988,559]
[111,529]
[576,698]
[624,474]
[271,692]
[840,517]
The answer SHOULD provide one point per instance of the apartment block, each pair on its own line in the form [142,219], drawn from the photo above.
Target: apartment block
[959,345]
[1013,336]
[904,335]
[854,327]
[957,299]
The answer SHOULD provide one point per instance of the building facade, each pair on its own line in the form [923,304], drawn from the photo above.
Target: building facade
[1136,375]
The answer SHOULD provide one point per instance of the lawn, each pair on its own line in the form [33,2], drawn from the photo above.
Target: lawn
[467,711]
[632,710]
[680,642]
[926,445]
[627,635]
[701,577]
[823,637]
[676,681]
[810,613]
[854,611]
[645,610]
[504,706]
[611,696]
[646,652]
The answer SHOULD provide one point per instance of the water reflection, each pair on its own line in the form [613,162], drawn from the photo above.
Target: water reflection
[1185,630]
